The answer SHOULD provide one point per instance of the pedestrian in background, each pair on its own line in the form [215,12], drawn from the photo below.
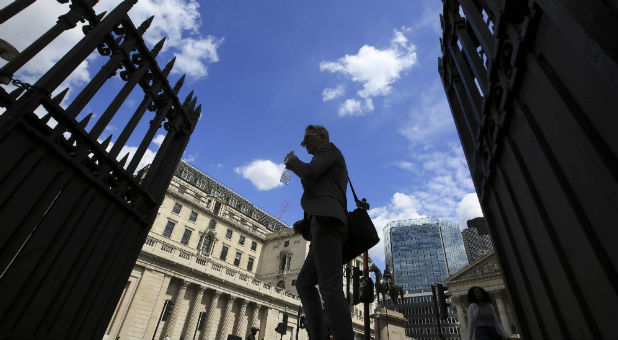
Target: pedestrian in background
[483,322]
[324,180]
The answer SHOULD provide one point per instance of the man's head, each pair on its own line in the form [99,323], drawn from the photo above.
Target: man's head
[314,136]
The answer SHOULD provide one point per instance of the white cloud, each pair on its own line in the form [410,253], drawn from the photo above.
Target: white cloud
[330,94]
[179,21]
[264,174]
[448,181]
[350,107]
[189,60]
[158,140]
[190,157]
[20,32]
[401,207]
[468,208]
[147,158]
[377,70]
[430,119]
[406,166]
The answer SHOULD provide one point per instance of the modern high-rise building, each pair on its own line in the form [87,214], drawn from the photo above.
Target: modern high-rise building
[475,243]
[423,251]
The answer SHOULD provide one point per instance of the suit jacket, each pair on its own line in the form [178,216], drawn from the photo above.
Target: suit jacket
[325,181]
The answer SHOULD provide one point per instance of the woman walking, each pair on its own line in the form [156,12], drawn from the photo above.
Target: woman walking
[483,323]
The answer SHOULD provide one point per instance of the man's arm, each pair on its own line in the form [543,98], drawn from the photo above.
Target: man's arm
[324,158]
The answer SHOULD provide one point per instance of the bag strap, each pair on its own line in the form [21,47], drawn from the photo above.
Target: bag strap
[353,192]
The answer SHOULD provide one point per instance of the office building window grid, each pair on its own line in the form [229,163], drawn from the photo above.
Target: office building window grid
[423,251]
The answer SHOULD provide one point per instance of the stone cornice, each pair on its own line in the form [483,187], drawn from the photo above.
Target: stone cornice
[485,268]
[209,186]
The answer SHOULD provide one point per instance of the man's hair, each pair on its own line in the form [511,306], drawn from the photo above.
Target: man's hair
[319,129]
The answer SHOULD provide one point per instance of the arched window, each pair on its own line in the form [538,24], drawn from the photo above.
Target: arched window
[207,244]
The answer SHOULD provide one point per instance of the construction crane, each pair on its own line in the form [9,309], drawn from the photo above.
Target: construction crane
[283,210]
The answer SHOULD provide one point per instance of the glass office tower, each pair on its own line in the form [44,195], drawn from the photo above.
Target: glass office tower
[423,251]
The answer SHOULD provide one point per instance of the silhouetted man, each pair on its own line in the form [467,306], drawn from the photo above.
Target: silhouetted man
[324,181]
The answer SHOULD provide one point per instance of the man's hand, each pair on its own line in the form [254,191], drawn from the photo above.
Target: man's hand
[288,156]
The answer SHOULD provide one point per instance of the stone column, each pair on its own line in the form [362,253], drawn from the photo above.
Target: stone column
[240,324]
[504,319]
[158,307]
[461,315]
[208,327]
[170,325]
[226,318]
[253,320]
[194,314]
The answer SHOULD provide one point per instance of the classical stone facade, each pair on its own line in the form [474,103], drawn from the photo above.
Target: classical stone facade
[211,251]
[484,272]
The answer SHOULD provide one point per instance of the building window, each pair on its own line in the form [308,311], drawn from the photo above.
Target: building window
[286,243]
[186,236]
[223,255]
[206,245]
[237,258]
[241,240]
[176,209]
[293,283]
[168,229]
[228,234]
[193,216]
[281,284]
[283,261]
[217,208]
[253,245]
[212,224]
[250,264]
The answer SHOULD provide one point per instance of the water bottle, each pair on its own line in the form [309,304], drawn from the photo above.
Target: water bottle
[285,177]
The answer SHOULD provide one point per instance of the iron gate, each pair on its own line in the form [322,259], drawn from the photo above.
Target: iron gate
[533,88]
[73,216]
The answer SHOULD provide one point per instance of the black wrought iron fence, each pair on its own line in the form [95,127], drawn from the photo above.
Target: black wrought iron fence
[73,217]
[532,86]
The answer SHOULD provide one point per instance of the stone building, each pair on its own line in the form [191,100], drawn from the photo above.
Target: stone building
[211,251]
[485,273]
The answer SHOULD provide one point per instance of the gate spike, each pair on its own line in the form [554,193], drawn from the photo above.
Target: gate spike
[169,66]
[60,96]
[188,98]
[145,25]
[101,15]
[179,84]
[84,122]
[123,160]
[198,110]
[192,103]
[105,143]
[157,47]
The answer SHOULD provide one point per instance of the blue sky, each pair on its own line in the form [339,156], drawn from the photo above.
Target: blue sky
[263,70]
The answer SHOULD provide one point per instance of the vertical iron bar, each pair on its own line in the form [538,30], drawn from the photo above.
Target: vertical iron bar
[155,124]
[128,129]
[63,68]
[65,22]
[118,100]
[95,84]
[366,320]
[13,8]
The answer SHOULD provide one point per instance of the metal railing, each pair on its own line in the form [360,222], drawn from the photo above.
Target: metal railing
[74,216]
